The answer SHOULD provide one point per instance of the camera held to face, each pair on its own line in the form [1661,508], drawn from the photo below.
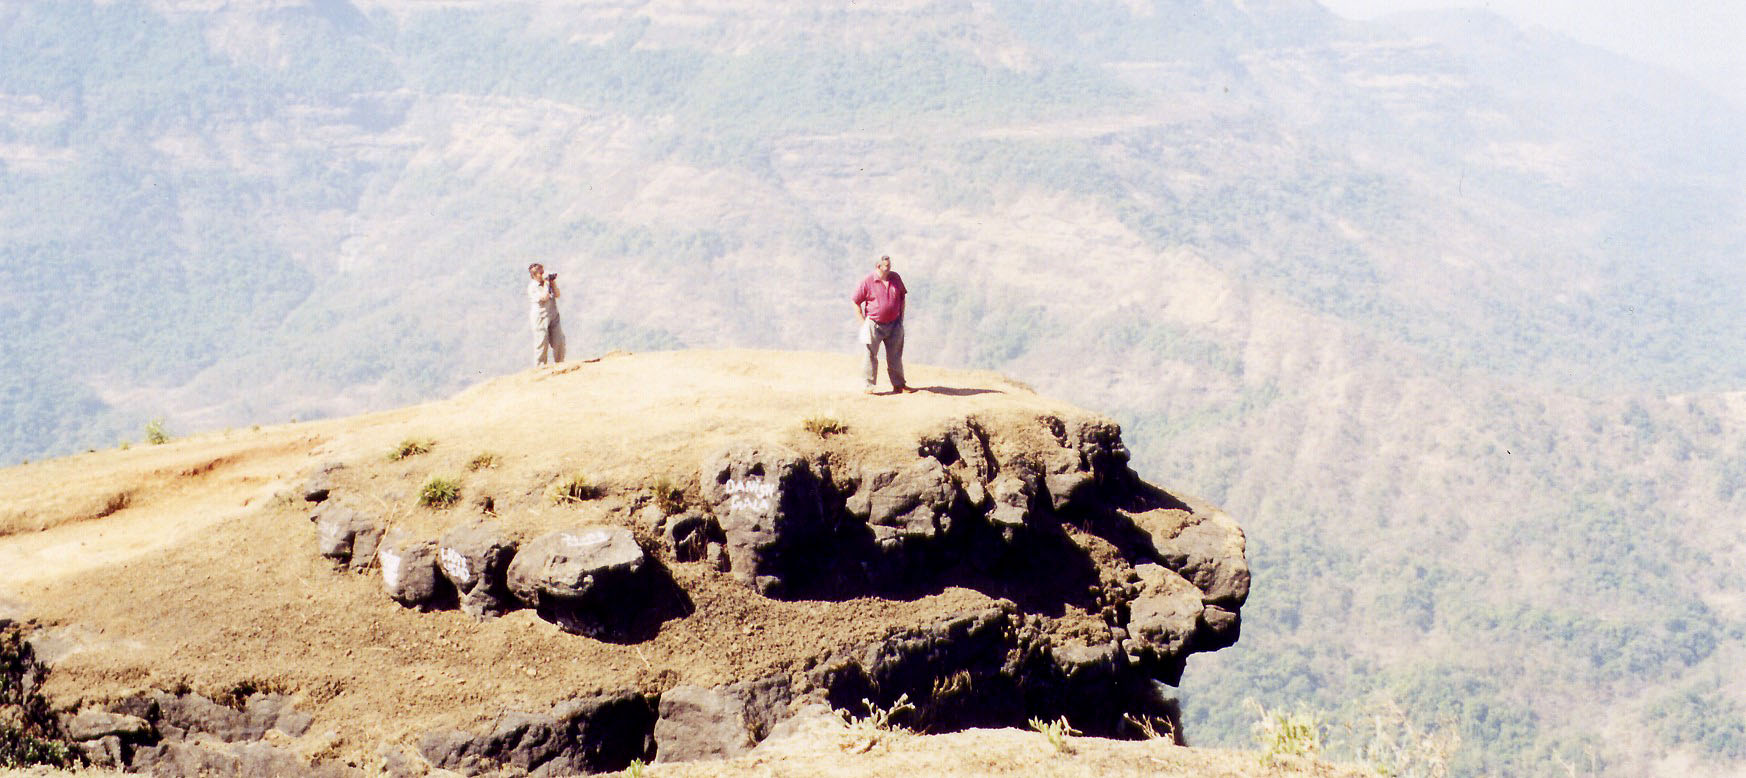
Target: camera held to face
[550,277]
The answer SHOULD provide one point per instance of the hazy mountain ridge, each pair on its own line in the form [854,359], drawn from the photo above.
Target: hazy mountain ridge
[1324,271]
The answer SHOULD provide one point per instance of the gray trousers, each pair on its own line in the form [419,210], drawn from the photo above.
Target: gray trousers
[892,336]
[551,338]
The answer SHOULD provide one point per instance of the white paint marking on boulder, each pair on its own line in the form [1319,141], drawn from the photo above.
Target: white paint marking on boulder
[390,569]
[455,564]
[749,494]
[593,537]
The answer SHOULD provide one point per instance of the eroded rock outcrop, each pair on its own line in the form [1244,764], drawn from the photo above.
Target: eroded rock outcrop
[769,505]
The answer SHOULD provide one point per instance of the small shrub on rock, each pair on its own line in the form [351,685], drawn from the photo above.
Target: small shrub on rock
[574,489]
[439,492]
[669,497]
[155,433]
[410,447]
[824,426]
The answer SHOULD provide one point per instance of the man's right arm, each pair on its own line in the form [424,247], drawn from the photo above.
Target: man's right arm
[860,300]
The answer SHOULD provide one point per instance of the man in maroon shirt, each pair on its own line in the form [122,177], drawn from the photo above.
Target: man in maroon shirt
[879,298]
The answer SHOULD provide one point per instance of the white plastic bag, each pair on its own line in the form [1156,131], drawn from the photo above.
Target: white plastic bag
[867,331]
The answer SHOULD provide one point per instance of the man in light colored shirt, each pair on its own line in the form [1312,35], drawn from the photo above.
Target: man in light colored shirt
[542,297]
[879,304]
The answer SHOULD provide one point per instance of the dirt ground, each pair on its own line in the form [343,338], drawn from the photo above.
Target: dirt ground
[192,564]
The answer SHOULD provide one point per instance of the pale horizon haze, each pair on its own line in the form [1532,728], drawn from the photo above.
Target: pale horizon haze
[1700,39]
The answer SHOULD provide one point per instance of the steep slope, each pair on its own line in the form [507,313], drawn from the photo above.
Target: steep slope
[974,551]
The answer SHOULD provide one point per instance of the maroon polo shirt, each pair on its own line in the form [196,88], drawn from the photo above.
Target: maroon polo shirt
[882,300]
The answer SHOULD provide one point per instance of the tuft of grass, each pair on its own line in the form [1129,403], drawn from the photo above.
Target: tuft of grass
[635,770]
[410,447]
[155,433]
[824,426]
[484,460]
[1281,734]
[125,445]
[574,489]
[669,497]
[439,492]
[1057,732]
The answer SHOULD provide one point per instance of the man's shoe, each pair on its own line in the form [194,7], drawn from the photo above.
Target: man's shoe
[907,389]
[869,390]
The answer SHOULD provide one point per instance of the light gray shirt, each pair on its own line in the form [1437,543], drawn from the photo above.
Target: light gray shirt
[541,312]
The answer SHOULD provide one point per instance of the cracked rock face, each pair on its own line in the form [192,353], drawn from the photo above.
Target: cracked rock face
[912,504]
[768,503]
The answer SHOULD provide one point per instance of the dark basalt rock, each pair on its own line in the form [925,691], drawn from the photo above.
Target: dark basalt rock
[319,484]
[186,734]
[769,504]
[345,536]
[474,557]
[698,723]
[596,581]
[409,571]
[1209,552]
[586,735]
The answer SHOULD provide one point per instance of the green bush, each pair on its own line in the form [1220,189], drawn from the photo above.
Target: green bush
[439,492]
[155,433]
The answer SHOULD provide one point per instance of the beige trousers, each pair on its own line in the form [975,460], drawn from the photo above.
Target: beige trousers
[551,339]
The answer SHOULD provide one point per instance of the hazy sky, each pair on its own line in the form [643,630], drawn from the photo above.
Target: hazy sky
[1705,39]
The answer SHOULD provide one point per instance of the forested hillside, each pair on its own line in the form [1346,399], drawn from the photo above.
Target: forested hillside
[1445,312]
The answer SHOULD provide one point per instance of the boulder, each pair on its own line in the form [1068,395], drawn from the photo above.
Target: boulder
[93,724]
[182,716]
[586,735]
[1011,498]
[768,502]
[589,580]
[912,504]
[697,723]
[409,570]
[1164,617]
[722,722]
[474,557]
[319,484]
[1209,553]
[1102,452]
[1219,628]
[345,536]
